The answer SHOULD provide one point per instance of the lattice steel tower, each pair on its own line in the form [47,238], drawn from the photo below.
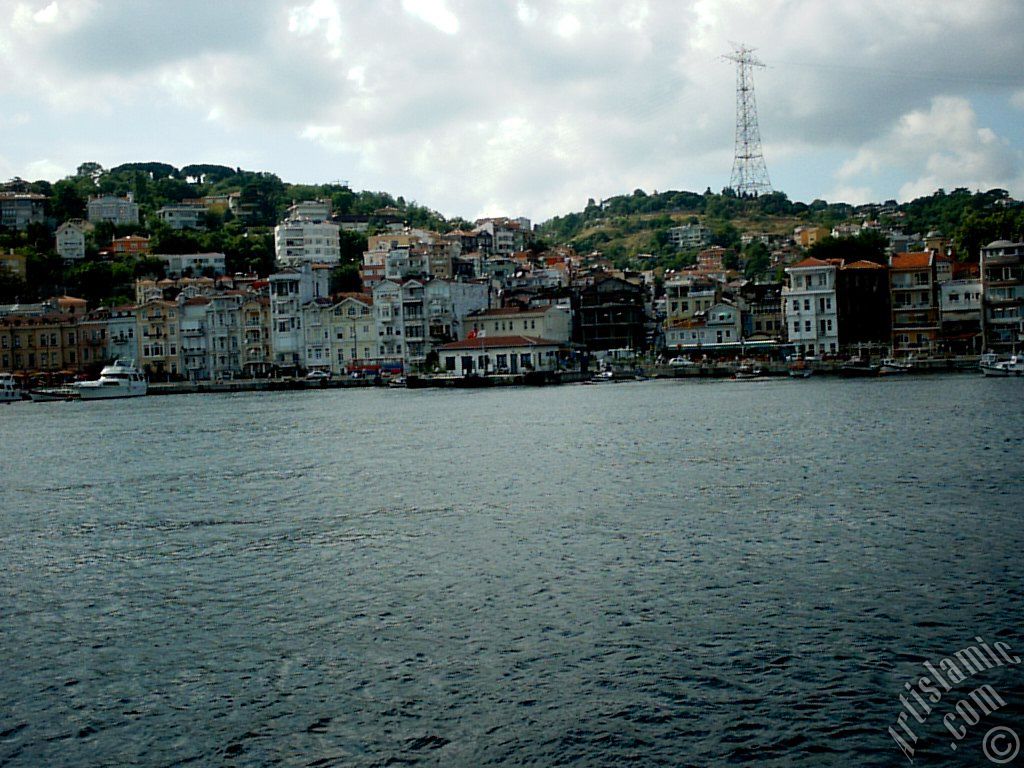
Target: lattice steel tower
[749,173]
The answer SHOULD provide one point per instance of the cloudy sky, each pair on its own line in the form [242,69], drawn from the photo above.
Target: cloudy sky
[520,107]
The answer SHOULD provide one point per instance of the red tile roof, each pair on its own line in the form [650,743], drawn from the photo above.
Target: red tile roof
[911,260]
[810,261]
[491,342]
[863,264]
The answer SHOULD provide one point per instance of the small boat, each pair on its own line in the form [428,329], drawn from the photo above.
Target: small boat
[892,365]
[1002,368]
[748,371]
[53,394]
[9,390]
[603,377]
[858,368]
[119,379]
[398,382]
[799,369]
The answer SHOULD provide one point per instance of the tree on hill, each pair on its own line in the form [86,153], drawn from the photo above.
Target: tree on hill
[869,245]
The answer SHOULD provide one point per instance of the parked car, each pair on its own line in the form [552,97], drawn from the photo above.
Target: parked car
[318,376]
[678,362]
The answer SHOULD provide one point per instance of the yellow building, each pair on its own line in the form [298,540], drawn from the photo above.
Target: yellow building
[158,338]
[254,341]
[32,344]
[808,236]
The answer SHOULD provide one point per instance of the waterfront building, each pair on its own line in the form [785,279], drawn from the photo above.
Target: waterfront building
[960,315]
[223,323]
[500,354]
[809,301]
[760,306]
[340,334]
[254,335]
[290,290]
[121,211]
[70,240]
[611,315]
[863,313]
[93,338]
[717,328]
[122,340]
[158,338]
[414,316]
[183,215]
[193,347]
[914,291]
[1002,281]
[550,322]
[38,342]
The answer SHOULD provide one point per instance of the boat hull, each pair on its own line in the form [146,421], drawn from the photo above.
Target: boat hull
[109,393]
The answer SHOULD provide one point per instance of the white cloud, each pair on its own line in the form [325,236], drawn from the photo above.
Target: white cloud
[527,105]
[434,13]
[942,146]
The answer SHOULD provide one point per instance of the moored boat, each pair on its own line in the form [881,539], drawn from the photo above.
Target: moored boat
[799,369]
[53,394]
[10,392]
[858,369]
[1002,368]
[119,379]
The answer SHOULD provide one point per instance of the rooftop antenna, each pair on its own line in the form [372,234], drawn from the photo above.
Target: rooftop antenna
[749,172]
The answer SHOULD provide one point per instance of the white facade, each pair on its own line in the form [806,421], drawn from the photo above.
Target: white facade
[551,322]
[117,210]
[290,290]
[71,240]
[689,236]
[122,341]
[183,215]
[503,354]
[413,317]
[810,306]
[719,325]
[177,264]
[304,241]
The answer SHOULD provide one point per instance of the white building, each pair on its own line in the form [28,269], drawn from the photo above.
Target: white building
[304,241]
[19,209]
[551,322]
[183,215]
[414,316]
[307,235]
[193,343]
[117,210]
[499,354]
[122,341]
[194,264]
[718,326]
[689,236]
[290,290]
[71,240]
[810,306]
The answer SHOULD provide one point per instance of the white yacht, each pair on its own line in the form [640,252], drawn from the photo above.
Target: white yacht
[9,391]
[992,366]
[119,379]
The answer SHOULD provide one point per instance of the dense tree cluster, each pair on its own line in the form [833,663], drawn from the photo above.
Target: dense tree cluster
[246,240]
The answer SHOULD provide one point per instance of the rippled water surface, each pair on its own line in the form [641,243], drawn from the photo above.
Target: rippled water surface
[659,573]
